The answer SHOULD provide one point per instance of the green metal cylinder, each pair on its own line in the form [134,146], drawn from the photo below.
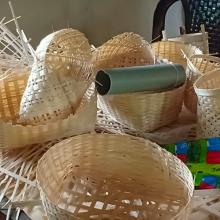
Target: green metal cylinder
[140,78]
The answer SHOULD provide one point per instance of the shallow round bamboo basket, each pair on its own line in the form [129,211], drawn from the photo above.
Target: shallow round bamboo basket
[207,89]
[14,135]
[197,66]
[144,111]
[102,176]
[11,91]
[174,51]
[123,50]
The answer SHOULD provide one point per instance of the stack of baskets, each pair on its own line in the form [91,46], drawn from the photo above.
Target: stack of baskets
[202,83]
[197,66]
[90,177]
[144,111]
[49,101]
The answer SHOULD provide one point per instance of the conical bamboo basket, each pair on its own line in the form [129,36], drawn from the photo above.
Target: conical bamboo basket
[124,50]
[91,177]
[59,77]
[197,66]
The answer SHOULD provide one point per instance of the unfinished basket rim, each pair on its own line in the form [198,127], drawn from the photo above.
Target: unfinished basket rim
[206,56]
[199,88]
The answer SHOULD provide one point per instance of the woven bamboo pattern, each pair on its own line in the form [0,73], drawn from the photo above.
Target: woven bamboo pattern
[205,205]
[59,77]
[11,90]
[18,177]
[197,66]
[199,40]
[90,177]
[174,51]
[15,59]
[183,129]
[83,121]
[207,89]
[123,50]
[144,111]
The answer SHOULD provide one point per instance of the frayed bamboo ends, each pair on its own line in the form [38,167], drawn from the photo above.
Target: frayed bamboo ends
[124,50]
[197,66]
[90,177]
[59,77]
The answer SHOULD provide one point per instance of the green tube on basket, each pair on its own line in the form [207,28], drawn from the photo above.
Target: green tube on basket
[140,78]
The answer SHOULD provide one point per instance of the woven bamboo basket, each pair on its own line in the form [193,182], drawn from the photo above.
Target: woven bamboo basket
[197,66]
[82,121]
[11,90]
[183,129]
[59,77]
[124,50]
[207,89]
[200,40]
[174,51]
[90,177]
[144,111]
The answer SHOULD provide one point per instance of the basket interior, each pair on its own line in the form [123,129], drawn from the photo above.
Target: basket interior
[209,81]
[11,90]
[205,63]
[174,51]
[114,177]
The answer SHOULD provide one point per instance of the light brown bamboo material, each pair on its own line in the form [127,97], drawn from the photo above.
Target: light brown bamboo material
[174,52]
[15,58]
[60,75]
[200,40]
[207,89]
[18,175]
[183,129]
[123,50]
[144,111]
[83,121]
[11,91]
[97,176]
[197,66]
[205,205]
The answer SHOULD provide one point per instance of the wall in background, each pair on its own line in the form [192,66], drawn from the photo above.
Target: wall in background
[98,19]
[102,19]
[174,19]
